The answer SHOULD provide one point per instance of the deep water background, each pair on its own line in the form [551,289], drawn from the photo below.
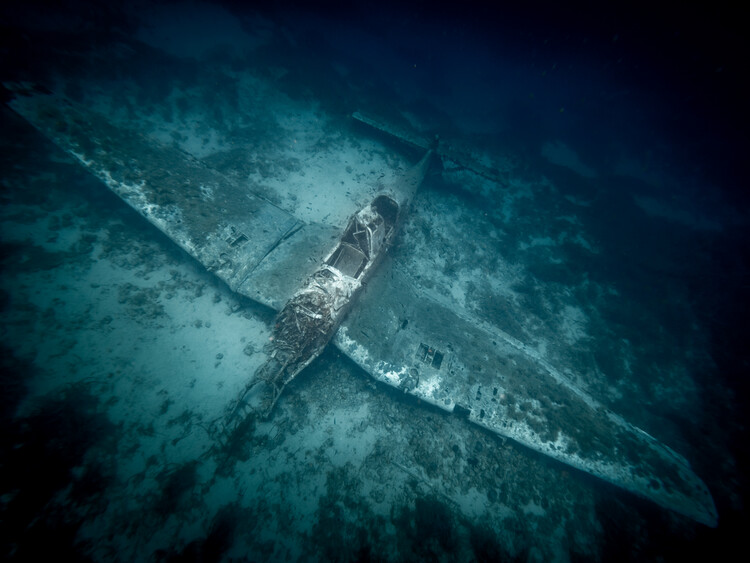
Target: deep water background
[665,84]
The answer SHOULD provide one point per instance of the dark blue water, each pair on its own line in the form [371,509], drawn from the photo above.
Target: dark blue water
[634,117]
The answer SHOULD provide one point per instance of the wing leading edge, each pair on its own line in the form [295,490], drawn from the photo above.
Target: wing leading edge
[459,364]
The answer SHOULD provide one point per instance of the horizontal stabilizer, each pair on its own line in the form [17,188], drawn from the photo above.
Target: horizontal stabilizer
[445,149]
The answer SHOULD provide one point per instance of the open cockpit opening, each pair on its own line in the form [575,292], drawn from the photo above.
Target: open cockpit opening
[364,237]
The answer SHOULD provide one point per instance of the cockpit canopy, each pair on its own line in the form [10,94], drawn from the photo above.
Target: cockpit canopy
[364,236]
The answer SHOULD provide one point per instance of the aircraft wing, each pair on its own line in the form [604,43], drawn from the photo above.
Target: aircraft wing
[256,247]
[401,332]
[430,349]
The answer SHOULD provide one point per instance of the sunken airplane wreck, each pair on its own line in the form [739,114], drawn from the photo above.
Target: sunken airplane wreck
[308,321]
[313,274]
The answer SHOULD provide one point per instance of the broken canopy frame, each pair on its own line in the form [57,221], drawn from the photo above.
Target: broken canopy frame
[443,355]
